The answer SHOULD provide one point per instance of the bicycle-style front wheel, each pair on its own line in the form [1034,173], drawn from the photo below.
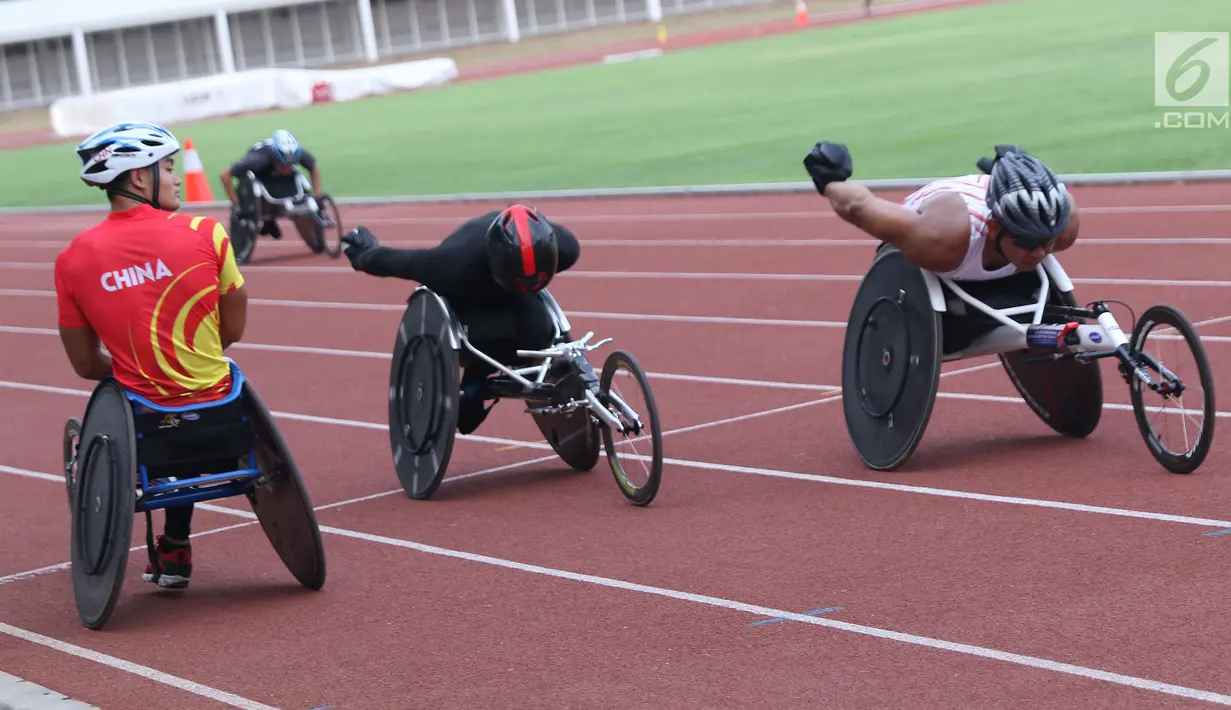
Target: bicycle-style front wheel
[631,400]
[1176,422]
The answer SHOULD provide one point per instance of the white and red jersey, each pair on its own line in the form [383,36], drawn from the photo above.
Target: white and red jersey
[973,191]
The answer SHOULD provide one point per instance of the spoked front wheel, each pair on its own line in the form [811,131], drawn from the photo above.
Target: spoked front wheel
[631,401]
[1177,420]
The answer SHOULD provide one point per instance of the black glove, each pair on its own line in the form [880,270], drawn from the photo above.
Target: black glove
[986,164]
[356,243]
[828,162]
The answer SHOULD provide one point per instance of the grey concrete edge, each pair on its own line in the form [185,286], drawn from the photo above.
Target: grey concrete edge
[765,188]
[19,694]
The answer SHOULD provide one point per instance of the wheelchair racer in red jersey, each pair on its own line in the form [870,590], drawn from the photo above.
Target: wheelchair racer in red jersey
[160,291]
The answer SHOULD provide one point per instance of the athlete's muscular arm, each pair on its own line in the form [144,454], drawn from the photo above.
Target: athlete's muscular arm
[253,161]
[232,316]
[232,291]
[85,352]
[81,343]
[934,238]
[309,161]
[228,186]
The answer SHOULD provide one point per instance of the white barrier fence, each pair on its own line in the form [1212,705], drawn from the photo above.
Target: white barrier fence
[241,92]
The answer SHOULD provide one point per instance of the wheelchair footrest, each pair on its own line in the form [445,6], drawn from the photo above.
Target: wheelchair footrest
[212,483]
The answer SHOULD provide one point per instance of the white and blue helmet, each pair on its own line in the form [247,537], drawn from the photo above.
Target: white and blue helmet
[285,148]
[117,149]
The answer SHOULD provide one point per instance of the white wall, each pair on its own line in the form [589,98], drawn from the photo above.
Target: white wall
[301,33]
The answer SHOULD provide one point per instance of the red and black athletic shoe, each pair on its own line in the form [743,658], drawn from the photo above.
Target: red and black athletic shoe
[175,563]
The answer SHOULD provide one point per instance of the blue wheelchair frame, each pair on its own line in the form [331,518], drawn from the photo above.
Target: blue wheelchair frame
[173,493]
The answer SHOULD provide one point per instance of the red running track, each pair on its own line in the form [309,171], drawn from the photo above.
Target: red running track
[1004,566]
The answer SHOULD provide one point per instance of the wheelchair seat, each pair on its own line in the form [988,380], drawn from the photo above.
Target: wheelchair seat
[206,440]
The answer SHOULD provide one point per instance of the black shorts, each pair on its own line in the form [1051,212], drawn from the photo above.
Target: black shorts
[963,327]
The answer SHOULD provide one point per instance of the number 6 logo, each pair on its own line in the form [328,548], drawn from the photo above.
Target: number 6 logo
[1191,68]
[1183,64]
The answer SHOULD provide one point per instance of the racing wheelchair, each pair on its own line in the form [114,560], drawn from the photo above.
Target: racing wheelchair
[315,218]
[906,321]
[572,406]
[129,455]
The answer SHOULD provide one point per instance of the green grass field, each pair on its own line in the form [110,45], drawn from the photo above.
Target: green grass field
[913,96]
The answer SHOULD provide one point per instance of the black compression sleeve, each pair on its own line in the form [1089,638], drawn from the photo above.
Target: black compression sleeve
[568,247]
[397,263]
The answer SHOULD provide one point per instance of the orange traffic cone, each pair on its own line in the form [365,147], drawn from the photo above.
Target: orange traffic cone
[801,13]
[196,186]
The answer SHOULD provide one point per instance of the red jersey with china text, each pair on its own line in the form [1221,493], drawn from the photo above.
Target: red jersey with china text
[148,282]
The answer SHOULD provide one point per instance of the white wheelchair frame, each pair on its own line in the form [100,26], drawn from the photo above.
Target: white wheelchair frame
[301,204]
[1093,341]
[560,349]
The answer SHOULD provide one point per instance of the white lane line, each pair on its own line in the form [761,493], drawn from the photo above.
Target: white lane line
[399,308]
[768,612]
[31,223]
[136,669]
[755,609]
[218,507]
[692,276]
[814,478]
[675,242]
[596,315]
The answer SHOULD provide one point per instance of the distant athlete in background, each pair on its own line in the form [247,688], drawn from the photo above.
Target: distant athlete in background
[489,270]
[272,163]
[160,291]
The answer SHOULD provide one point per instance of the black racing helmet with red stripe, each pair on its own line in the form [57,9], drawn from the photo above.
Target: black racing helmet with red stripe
[521,247]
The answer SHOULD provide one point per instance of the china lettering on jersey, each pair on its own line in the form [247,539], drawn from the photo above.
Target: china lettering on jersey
[134,275]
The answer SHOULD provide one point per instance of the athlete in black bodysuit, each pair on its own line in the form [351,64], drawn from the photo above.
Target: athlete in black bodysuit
[272,162]
[489,270]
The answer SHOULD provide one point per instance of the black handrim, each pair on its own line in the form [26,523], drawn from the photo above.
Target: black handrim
[333,247]
[435,430]
[887,358]
[243,241]
[95,562]
[290,509]
[637,495]
[408,388]
[72,438]
[1189,461]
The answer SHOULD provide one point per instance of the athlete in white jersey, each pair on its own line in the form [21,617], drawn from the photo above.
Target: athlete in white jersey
[973,191]
[969,228]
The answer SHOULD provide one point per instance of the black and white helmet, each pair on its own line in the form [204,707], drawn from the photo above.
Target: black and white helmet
[1028,200]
